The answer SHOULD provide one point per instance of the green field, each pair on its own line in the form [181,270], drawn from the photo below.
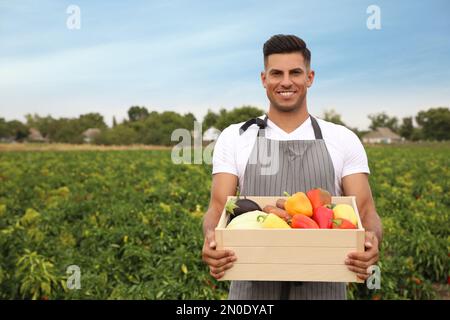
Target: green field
[131,220]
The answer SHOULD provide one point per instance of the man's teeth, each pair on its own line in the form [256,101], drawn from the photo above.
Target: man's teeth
[286,93]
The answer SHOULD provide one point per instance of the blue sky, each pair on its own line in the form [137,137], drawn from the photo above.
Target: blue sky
[190,56]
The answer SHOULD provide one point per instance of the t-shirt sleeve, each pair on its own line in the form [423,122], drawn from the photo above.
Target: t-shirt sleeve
[355,157]
[224,159]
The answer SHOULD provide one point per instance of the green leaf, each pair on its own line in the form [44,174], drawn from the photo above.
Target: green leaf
[230,205]
[46,288]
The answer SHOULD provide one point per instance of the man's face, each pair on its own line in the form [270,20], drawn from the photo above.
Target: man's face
[286,79]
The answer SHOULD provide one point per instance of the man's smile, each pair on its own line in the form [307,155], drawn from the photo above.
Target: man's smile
[286,93]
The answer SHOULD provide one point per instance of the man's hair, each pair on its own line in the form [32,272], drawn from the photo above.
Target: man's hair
[282,43]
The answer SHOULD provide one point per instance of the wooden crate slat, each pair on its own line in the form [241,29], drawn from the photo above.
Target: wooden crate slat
[287,238]
[300,255]
[290,272]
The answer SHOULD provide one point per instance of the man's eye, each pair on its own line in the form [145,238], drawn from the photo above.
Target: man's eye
[296,72]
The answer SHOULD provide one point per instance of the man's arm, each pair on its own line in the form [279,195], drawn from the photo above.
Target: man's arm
[358,185]
[223,185]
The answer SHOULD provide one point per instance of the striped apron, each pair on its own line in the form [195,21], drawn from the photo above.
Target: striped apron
[302,165]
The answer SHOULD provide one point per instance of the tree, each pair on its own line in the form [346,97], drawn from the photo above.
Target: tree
[333,116]
[136,113]
[406,129]
[91,120]
[119,135]
[416,134]
[47,126]
[189,121]
[67,130]
[114,122]
[17,130]
[209,120]
[379,120]
[3,129]
[435,123]
[163,126]
[237,115]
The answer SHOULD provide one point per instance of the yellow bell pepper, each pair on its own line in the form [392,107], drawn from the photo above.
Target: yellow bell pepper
[272,221]
[345,211]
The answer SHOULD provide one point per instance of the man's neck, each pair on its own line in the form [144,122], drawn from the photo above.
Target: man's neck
[288,121]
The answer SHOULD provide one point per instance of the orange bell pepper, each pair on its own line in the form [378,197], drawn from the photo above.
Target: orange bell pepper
[298,203]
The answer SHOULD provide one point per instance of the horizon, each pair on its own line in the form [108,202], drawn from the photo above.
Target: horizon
[191,57]
[109,124]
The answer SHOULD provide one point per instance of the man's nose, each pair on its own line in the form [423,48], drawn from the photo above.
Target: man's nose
[286,82]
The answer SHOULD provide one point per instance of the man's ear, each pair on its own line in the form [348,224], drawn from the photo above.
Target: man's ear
[263,78]
[310,79]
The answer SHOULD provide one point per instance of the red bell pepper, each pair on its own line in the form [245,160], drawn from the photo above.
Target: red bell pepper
[300,221]
[323,216]
[318,197]
[343,224]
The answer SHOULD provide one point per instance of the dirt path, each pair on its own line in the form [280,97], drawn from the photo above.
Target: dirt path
[73,147]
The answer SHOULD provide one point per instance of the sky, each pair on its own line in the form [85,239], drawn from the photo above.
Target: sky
[191,56]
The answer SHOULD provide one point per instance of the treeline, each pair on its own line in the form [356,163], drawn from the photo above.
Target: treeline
[141,127]
[155,128]
[431,125]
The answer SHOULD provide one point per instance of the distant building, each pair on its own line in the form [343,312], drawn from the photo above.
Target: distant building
[35,135]
[90,134]
[211,134]
[382,135]
[7,140]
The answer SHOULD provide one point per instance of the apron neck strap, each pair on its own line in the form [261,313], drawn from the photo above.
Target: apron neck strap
[262,124]
[316,128]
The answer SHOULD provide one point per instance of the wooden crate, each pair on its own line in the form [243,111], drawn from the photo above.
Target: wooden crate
[291,254]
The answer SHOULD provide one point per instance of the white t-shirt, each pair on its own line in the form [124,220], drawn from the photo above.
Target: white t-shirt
[232,151]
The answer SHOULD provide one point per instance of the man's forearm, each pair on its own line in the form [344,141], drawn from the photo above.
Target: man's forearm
[372,222]
[210,220]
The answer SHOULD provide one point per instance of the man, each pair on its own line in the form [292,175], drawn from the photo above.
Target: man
[311,153]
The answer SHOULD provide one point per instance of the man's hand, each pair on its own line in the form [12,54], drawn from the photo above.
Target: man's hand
[358,185]
[223,185]
[217,260]
[359,262]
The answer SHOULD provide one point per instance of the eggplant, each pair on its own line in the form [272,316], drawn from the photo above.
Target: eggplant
[240,206]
